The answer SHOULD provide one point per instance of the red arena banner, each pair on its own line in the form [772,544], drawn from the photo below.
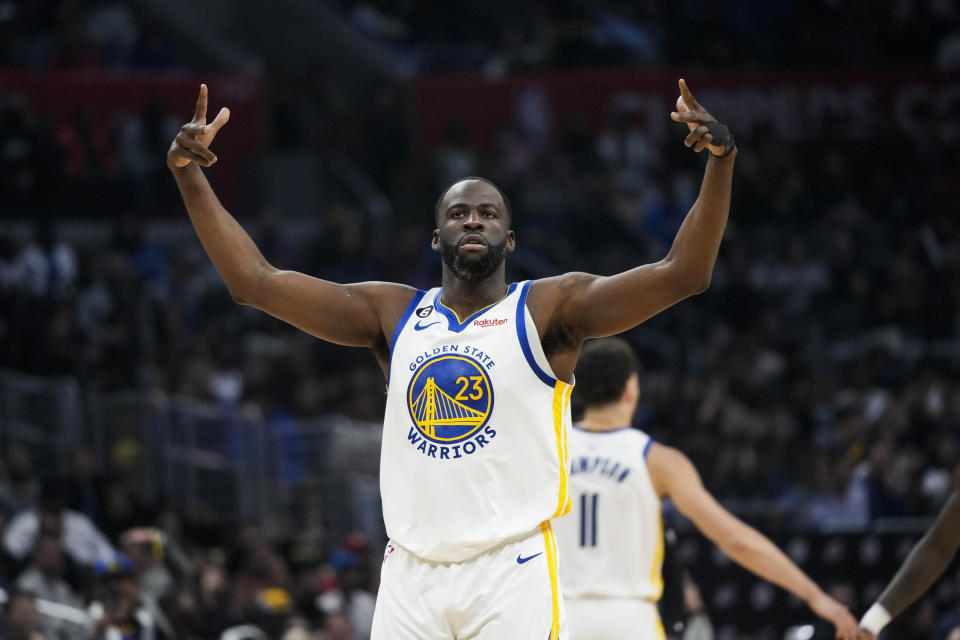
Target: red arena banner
[790,105]
[113,97]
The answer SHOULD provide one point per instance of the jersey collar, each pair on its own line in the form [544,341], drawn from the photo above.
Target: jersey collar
[453,321]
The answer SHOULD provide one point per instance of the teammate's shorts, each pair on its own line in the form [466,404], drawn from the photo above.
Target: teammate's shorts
[614,619]
[507,593]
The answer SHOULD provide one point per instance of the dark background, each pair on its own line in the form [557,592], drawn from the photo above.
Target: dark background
[814,384]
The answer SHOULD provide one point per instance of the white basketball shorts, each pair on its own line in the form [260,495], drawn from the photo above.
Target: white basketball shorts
[507,593]
[614,619]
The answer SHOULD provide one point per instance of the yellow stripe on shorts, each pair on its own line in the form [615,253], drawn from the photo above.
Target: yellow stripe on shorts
[661,634]
[656,575]
[551,548]
[561,396]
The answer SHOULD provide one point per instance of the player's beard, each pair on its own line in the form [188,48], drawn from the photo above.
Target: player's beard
[473,269]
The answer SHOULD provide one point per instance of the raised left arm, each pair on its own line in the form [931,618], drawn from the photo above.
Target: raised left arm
[598,306]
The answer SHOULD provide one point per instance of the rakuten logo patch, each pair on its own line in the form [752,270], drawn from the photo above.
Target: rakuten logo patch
[490,322]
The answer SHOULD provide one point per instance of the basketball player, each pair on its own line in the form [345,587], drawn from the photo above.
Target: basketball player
[611,544]
[926,562]
[479,372]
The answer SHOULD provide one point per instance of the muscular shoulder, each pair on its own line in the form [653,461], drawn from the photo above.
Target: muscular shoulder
[554,290]
[386,297]
[547,302]
[389,301]
[668,467]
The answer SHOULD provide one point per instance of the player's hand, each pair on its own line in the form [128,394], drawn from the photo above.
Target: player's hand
[834,612]
[193,142]
[866,635]
[705,131]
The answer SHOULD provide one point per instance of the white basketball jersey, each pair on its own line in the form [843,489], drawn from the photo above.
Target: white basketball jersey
[611,544]
[474,436]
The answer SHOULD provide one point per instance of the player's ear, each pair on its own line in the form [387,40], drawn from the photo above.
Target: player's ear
[631,390]
[435,242]
[511,241]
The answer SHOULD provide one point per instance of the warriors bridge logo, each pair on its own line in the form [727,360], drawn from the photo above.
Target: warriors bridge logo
[450,400]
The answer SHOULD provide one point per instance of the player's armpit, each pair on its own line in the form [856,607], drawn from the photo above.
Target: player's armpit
[356,315]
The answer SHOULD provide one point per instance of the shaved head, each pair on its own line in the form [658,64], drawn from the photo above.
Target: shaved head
[439,206]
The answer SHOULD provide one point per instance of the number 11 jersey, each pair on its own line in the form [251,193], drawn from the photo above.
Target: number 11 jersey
[611,544]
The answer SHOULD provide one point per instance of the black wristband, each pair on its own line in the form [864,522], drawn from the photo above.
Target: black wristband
[721,136]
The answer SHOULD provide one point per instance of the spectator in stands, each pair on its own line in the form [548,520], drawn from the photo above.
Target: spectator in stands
[121,511]
[842,502]
[89,156]
[44,577]
[118,608]
[337,627]
[21,621]
[19,486]
[352,598]
[81,539]
[29,165]
[113,28]
[144,546]
[263,612]
[87,486]
[142,140]
[214,606]
[46,266]
[456,158]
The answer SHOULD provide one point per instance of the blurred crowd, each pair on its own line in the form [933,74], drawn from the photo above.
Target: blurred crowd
[91,160]
[500,36]
[815,384]
[830,326]
[88,163]
[81,35]
[81,558]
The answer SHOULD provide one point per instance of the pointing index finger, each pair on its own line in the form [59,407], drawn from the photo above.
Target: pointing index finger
[200,113]
[687,95]
[689,116]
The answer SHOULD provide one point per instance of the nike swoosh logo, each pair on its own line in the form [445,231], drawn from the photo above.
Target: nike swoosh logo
[521,559]
[417,326]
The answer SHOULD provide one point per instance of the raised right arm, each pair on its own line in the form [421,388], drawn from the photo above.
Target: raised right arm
[349,314]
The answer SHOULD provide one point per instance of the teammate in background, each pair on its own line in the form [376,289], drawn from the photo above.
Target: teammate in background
[474,454]
[926,562]
[611,544]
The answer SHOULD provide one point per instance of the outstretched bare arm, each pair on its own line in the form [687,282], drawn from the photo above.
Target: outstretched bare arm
[674,476]
[350,314]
